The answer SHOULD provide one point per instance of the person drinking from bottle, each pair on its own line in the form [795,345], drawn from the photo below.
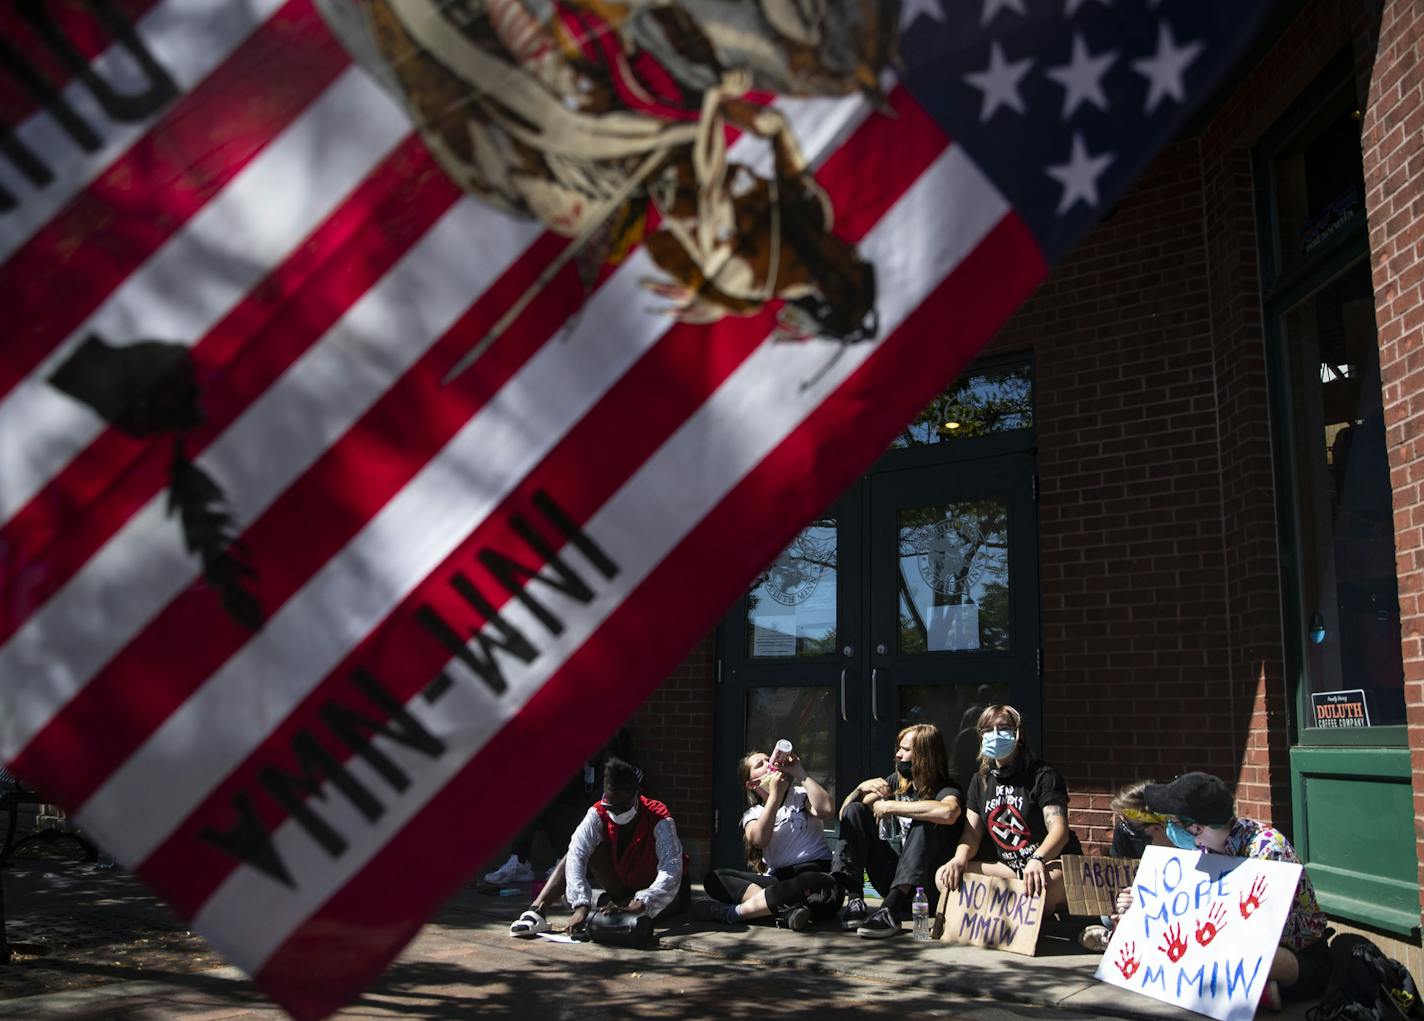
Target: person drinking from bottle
[628,843]
[789,859]
[916,807]
[1021,803]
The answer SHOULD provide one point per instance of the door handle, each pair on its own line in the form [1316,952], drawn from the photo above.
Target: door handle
[875,694]
[844,718]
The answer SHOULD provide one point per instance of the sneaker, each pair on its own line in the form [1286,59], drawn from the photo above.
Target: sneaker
[795,918]
[879,925]
[1271,996]
[853,913]
[511,872]
[1094,938]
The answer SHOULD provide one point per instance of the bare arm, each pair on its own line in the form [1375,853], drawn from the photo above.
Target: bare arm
[1056,819]
[951,873]
[867,791]
[818,799]
[758,831]
[973,833]
[944,813]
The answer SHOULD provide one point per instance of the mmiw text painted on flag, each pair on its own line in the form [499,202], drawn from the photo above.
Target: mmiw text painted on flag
[323,772]
[120,101]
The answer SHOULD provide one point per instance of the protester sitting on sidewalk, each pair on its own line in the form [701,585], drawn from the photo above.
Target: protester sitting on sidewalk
[786,847]
[1201,815]
[1134,829]
[1135,826]
[918,805]
[1021,802]
[628,843]
[559,820]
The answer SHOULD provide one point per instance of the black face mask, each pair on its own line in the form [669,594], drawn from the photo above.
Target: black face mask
[905,769]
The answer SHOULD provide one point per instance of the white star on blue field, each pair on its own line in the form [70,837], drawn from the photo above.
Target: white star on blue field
[1062,102]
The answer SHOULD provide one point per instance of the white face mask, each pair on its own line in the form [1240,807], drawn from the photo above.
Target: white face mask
[624,818]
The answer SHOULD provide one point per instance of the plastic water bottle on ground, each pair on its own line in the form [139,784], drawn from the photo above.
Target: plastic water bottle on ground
[920,909]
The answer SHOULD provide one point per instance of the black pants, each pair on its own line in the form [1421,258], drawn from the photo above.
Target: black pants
[808,883]
[1316,966]
[926,847]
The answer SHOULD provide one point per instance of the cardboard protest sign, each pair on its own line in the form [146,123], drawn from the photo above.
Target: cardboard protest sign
[1202,930]
[1093,883]
[987,911]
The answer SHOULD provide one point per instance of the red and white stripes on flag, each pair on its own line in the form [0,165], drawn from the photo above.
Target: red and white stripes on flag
[451,575]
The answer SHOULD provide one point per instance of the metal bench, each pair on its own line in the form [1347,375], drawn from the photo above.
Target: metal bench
[13,796]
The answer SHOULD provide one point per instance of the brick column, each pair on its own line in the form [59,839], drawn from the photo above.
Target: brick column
[672,740]
[1394,196]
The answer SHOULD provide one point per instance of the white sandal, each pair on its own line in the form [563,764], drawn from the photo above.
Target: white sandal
[528,925]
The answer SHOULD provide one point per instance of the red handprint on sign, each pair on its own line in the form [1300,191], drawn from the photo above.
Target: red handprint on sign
[1127,960]
[1251,900]
[1174,945]
[1214,922]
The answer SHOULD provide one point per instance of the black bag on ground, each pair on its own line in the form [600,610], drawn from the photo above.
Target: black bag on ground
[621,929]
[1368,986]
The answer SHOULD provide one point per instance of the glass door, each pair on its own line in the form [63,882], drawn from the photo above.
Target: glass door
[913,599]
[789,665]
[953,611]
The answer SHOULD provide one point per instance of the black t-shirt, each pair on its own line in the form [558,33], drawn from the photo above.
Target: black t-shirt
[1011,808]
[950,789]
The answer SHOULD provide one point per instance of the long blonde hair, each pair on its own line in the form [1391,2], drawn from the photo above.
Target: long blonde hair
[755,855]
[1130,803]
[929,765]
[1023,751]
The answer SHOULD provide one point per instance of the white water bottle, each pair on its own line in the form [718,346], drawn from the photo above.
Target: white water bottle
[920,909]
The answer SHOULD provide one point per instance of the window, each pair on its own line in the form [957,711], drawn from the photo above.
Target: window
[1336,517]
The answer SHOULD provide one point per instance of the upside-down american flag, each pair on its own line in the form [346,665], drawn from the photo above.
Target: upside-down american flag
[390,387]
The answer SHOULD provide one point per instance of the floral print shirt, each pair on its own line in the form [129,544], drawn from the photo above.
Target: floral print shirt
[1251,839]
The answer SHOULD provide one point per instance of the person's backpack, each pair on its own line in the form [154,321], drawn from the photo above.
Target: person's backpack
[1368,986]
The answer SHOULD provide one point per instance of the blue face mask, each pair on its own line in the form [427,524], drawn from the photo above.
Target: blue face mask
[1180,837]
[998,744]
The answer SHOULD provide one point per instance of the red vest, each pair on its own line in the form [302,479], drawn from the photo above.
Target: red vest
[635,852]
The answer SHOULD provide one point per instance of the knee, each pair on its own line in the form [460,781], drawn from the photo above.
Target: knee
[713,886]
[857,812]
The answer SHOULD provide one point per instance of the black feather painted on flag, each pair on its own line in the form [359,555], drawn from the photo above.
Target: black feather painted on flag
[208,532]
[149,388]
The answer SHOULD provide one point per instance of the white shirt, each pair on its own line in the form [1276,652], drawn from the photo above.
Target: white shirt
[664,888]
[796,835]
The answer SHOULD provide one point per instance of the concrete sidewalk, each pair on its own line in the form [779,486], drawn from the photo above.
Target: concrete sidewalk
[465,962]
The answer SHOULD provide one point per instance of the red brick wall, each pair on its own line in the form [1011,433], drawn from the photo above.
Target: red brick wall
[672,741]
[1161,599]
[1394,197]
[1136,635]
[1161,592]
